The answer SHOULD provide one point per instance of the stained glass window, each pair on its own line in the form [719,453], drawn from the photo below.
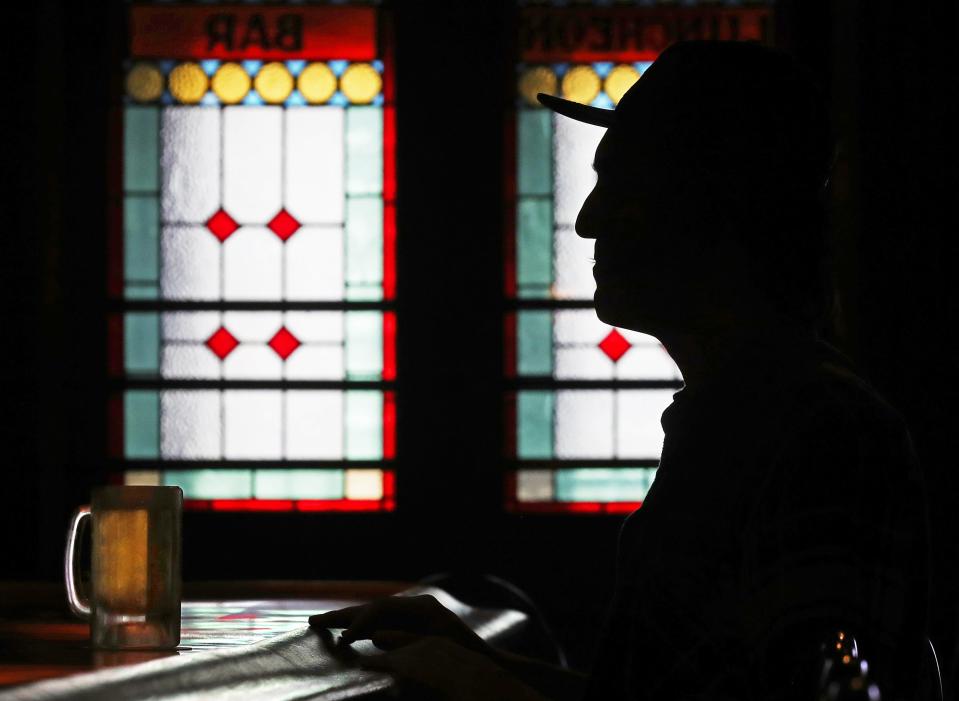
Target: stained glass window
[583,415]
[253,257]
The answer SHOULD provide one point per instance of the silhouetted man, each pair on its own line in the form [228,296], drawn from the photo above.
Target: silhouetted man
[787,504]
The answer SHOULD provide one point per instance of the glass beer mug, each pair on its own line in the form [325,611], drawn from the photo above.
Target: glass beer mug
[134,598]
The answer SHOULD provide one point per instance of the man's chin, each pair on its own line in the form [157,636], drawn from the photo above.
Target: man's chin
[616,311]
[622,312]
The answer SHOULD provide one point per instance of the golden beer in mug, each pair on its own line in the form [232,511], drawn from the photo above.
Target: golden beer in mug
[134,600]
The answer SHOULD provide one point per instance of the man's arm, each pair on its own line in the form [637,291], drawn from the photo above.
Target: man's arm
[829,543]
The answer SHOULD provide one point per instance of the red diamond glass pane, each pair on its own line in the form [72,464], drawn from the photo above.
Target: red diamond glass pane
[614,345]
[284,343]
[222,343]
[283,225]
[222,225]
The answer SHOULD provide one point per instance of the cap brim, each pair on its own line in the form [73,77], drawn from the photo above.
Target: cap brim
[581,113]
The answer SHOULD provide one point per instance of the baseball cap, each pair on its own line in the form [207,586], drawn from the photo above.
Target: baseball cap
[741,114]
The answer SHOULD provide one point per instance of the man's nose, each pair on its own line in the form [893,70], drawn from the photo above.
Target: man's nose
[586,225]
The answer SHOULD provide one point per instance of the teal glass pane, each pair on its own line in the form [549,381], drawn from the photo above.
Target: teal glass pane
[534,432]
[364,293]
[141,343]
[364,151]
[211,484]
[364,425]
[364,345]
[135,290]
[364,245]
[604,485]
[298,484]
[141,238]
[534,246]
[141,147]
[534,342]
[534,152]
[141,424]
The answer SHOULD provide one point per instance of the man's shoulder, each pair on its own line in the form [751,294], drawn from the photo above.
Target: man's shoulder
[833,393]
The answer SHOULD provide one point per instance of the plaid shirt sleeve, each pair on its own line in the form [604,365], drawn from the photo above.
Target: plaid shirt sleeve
[834,541]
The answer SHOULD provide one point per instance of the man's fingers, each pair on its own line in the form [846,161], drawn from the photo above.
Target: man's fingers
[340,618]
[421,615]
[394,613]
[392,639]
[368,619]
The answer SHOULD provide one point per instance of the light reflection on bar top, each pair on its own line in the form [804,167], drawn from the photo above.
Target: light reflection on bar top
[209,625]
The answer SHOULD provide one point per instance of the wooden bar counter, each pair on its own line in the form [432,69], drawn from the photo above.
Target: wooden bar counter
[239,640]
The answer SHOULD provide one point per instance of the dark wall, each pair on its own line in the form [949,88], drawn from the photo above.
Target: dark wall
[891,72]
[897,67]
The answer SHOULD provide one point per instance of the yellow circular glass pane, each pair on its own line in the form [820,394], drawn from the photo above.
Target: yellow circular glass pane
[145,82]
[188,83]
[536,80]
[360,83]
[317,83]
[274,83]
[581,84]
[619,80]
[230,83]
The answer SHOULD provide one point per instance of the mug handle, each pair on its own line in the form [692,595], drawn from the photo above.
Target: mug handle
[79,604]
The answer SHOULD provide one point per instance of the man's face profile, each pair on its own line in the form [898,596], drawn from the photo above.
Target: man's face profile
[649,267]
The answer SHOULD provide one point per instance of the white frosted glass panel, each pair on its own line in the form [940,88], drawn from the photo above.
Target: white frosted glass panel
[315,363]
[189,361]
[647,362]
[190,163]
[251,424]
[253,362]
[364,425]
[314,164]
[314,425]
[584,424]
[578,326]
[189,424]
[314,263]
[574,145]
[298,484]
[252,153]
[190,326]
[534,485]
[637,338]
[364,484]
[253,327]
[639,432]
[252,265]
[573,266]
[191,263]
[316,327]
[583,363]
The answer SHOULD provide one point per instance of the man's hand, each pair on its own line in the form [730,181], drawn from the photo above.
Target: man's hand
[447,670]
[404,618]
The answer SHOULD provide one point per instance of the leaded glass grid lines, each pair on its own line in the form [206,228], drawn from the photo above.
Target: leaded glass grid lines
[205,247]
[573,344]
[583,432]
[586,488]
[254,323]
[256,345]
